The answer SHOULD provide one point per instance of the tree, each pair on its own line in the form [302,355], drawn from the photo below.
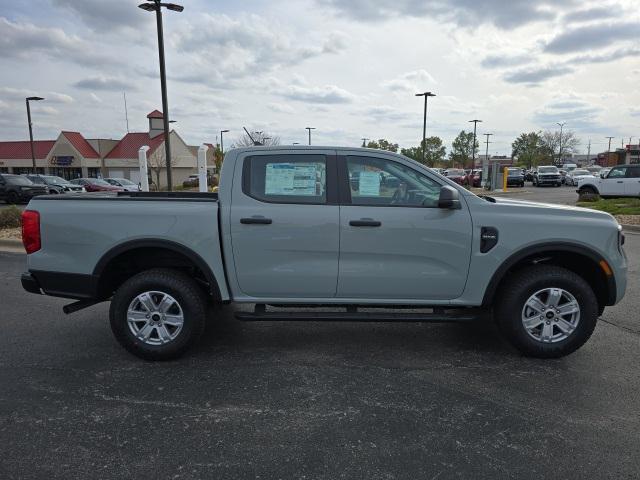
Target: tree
[264,138]
[157,163]
[217,157]
[434,153]
[383,144]
[462,150]
[553,142]
[530,149]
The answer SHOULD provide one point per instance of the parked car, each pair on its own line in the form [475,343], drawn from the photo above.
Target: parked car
[56,185]
[515,177]
[574,175]
[569,166]
[604,172]
[126,184]
[563,175]
[287,230]
[596,169]
[528,176]
[455,174]
[474,178]
[16,188]
[96,185]
[191,181]
[547,175]
[621,181]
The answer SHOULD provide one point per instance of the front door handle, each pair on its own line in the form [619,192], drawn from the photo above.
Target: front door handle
[256,221]
[365,222]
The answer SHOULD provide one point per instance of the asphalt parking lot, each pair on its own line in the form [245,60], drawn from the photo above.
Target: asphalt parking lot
[313,400]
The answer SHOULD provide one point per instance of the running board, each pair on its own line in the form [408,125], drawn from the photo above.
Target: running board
[354,316]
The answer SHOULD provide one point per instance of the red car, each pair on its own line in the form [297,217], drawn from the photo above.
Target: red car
[456,174]
[96,185]
[474,178]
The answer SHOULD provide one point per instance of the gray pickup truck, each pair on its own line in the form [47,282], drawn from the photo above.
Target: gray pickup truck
[358,234]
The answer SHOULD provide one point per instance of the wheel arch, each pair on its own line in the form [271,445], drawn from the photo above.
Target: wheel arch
[580,259]
[126,259]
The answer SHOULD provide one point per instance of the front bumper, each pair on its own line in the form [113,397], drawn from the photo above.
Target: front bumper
[549,180]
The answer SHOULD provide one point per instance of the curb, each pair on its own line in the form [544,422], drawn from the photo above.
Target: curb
[630,228]
[7,245]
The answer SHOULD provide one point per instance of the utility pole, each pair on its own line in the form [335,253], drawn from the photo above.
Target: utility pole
[473,147]
[309,129]
[364,142]
[426,96]
[33,154]
[560,152]
[609,149]
[589,152]
[486,155]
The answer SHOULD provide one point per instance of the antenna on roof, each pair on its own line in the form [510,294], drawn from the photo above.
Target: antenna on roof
[255,144]
[126,113]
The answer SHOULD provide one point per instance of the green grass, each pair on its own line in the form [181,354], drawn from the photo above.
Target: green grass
[614,206]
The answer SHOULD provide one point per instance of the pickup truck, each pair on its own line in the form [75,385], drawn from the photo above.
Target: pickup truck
[291,233]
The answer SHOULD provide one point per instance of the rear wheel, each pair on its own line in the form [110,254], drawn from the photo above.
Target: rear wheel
[12,198]
[588,189]
[158,314]
[547,311]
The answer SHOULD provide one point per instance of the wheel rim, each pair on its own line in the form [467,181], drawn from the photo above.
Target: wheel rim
[155,318]
[551,315]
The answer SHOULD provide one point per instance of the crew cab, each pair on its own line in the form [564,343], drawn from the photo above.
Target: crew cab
[290,229]
[547,175]
[620,181]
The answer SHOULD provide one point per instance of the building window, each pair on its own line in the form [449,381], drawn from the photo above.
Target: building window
[93,172]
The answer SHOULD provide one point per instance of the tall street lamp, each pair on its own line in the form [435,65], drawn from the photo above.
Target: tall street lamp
[473,147]
[33,154]
[560,152]
[156,6]
[222,142]
[310,128]
[426,96]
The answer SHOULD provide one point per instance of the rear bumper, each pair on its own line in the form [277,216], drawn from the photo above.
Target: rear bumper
[59,284]
[30,284]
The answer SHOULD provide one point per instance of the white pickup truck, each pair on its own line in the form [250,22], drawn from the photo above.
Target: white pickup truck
[350,229]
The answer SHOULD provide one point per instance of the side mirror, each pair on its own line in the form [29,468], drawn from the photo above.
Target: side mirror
[602,175]
[449,197]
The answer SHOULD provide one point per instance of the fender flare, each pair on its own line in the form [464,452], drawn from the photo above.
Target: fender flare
[525,252]
[196,259]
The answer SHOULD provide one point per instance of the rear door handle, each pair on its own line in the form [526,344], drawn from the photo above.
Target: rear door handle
[620,181]
[365,222]
[256,221]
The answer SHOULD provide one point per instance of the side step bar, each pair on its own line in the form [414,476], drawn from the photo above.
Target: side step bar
[352,315]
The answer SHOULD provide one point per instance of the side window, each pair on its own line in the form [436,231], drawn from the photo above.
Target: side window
[286,178]
[634,172]
[618,172]
[377,181]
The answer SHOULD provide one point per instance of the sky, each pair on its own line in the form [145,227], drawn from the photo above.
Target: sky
[348,68]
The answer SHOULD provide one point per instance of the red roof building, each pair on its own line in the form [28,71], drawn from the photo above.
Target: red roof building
[21,150]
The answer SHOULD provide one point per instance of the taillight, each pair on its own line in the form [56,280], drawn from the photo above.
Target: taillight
[31,231]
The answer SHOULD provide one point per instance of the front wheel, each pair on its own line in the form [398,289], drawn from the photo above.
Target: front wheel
[547,311]
[158,314]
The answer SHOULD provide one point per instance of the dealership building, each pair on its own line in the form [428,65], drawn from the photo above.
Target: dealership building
[72,155]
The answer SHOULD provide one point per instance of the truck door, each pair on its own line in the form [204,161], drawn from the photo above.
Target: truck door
[632,182]
[285,224]
[613,185]
[395,243]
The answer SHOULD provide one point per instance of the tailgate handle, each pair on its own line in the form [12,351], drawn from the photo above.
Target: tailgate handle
[256,221]
[365,222]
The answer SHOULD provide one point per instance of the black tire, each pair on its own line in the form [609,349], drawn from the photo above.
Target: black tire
[178,285]
[521,286]
[588,189]
[12,198]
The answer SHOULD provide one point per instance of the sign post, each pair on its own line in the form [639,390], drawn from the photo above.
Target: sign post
[142,162]
[505,173]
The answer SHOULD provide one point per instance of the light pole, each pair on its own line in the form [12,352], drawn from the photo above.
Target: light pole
[426,96]
[222,142]
[562,124]
[364,142]
[309,129]
[473,147]
[33,154]
[609,149]
[156,6]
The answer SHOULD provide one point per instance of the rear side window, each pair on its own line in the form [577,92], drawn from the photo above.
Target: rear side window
[633,172]
[286,178]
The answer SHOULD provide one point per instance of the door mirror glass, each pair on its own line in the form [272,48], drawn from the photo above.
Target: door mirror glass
[449,197]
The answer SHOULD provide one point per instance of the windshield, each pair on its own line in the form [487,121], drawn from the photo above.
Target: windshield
[99,181]
[514,172]
[580,172]
[454,172]
[17,180]
[123,181]
[53,179]
[548,170]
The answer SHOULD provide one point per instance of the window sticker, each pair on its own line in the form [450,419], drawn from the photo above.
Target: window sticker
[304,180]
[369,184]
[290,179]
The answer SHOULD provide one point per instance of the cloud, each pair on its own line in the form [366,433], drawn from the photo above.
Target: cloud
[280,108]
[595,13]
[634,112]
[327,94]
[592,37]
[19,94]
[579,113]
[104,83]
[538,74]
[23,40]
[505,15]
[505,60]
[414,82]
[104,16]
[384,113]
[609,56]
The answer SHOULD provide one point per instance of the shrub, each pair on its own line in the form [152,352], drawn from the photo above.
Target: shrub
[10,217]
